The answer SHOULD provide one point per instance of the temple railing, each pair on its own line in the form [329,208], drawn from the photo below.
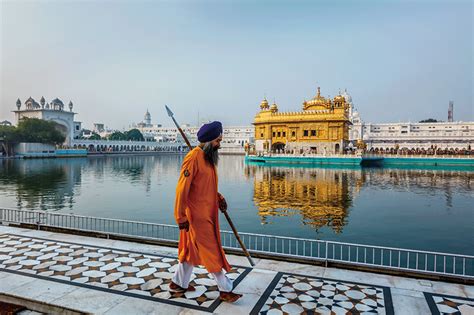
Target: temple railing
[417,261]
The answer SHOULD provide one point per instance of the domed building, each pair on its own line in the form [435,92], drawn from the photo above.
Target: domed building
[355,128]
[53,111]
[322,127]
[146,123]
[30,104]
[57,104]
[147,120]
[274,108]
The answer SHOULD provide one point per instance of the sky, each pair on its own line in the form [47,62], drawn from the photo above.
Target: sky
[216,60]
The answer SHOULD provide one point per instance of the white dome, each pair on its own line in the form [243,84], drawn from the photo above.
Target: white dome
[347,96]
[57,101]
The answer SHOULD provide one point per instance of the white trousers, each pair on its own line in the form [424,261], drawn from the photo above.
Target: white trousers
[182,277]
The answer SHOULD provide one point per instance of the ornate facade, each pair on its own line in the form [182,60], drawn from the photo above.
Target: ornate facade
[54,111]
[322,127]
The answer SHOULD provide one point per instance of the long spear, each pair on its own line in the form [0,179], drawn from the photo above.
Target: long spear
[247,254]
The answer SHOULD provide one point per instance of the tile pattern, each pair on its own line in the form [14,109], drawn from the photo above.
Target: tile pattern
[447,304]
[298,294]
[124,272]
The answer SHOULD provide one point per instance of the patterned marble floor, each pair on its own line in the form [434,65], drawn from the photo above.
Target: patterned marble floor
[123,272]
[297,294]
[146,278]
[447,304]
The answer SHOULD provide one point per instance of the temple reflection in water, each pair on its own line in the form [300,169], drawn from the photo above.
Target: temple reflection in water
[322,196]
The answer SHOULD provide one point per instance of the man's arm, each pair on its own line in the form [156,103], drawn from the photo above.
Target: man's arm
[182,190]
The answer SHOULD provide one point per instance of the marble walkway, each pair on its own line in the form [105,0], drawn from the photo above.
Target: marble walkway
[103,276]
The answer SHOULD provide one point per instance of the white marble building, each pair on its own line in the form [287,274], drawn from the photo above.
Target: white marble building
[238,135]
[98,128]
[410,135]
[53,111]
[146,122]
[233,136]
[443,135]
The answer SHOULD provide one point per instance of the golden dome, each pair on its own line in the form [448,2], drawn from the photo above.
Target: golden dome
[317,102]
[318,99]
[274,108]
[264,104]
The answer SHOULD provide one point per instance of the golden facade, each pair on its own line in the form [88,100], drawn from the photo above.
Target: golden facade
[322,127]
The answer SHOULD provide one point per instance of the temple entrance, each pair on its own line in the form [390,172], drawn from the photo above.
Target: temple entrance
[278,147]
[337,148]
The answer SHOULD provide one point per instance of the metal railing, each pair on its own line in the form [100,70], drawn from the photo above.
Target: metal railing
[435,263]
[420,156]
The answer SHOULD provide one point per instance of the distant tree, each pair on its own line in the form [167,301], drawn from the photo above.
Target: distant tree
[95,136]
[8,136]
[429,120]
[38,130]
[117,135]
[135,135]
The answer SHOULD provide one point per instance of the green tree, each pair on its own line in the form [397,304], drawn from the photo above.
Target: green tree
[38,130]
[8,136]
[429,120]
[135,135]
[117,135]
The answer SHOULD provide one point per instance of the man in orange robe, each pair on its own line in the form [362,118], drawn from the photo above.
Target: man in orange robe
[196,212]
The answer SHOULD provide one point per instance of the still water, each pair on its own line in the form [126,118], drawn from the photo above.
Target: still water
[430,208]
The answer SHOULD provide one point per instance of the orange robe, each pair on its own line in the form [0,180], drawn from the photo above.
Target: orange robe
[197,202]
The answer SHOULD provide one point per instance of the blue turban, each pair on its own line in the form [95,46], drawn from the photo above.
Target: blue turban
[209,132]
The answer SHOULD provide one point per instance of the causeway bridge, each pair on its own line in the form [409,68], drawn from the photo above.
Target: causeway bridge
[127,146]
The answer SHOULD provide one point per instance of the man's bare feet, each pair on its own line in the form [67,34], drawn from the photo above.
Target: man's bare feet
[176,288]
[230,297]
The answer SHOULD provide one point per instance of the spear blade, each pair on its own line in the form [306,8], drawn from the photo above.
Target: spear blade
[168,110]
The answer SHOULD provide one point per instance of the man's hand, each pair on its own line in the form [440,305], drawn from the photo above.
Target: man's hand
[184,226]
[222,203]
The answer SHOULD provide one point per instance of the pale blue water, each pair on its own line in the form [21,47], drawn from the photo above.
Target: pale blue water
[430,209]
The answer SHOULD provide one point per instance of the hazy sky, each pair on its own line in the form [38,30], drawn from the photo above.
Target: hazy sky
[400,60]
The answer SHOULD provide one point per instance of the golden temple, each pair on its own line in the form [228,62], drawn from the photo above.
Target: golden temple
[322,127]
